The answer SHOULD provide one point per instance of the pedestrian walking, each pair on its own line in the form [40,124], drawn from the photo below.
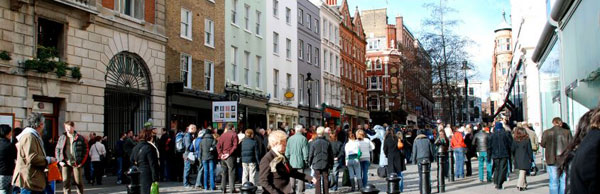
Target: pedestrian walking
[209,150]
[422,154]
[480,143]
[470,149]
[353,153]
[276,173]
[226,147]
[392,148]
[145,156]
[535,145]
[297,153]
[31,160]
[97,156]
[365,146]
[163,142]
[8,154]
[119,154]
[195,148]
[188,157]
[71,153]
[555,140]
[521,150]
[499,146]
[321,159]
[337,151]
[580,160]
[459,148]
[127,149]
[250,157]
[442,144]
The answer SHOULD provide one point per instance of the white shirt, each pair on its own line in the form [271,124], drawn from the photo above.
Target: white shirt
[96,150]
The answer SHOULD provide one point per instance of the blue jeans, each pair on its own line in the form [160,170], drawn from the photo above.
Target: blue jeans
[5,184]
[119,168]
[459,164]
[335,174]
[557,185]
[533,161]
[27,191]
[187,168]
[209,166]
[354,169]
[199,176]
[364,166]
[484,161]
[401,181]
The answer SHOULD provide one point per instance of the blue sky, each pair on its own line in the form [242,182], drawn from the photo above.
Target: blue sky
[479,19]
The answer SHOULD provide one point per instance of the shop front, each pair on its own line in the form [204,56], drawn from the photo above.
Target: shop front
[350,116]
[186,106]
[332,117]
[315,116]
[281,117]
[253,113]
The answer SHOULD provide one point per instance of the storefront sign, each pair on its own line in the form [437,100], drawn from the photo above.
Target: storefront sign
[332,112]
[224,111]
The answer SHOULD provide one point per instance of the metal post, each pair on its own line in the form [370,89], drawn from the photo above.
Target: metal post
[466,105]
[441,179]
[393,184]
[248,188]
[369,189]
[309,80]
[134,185]
[426,182]
[451,165]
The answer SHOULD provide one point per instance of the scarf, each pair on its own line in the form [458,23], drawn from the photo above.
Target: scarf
[279,158]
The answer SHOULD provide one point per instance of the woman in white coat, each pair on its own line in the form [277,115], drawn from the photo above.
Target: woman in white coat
[97,152]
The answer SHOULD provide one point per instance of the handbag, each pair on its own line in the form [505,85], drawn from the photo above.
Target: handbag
[382,171]
[102,157]
[400,145]
[154,188]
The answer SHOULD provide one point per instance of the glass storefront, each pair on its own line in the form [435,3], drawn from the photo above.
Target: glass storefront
[550,85]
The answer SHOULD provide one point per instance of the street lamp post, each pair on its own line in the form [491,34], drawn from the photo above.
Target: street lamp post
[466,105]
[309,87]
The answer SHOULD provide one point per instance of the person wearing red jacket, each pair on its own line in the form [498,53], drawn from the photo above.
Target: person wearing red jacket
[226,146]
[459,147]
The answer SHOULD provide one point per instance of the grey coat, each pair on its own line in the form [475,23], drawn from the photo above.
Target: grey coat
[422,149]
[208,147]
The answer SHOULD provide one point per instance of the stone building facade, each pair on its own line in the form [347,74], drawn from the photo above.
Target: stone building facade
[309,62]
[195,60]
[118,49]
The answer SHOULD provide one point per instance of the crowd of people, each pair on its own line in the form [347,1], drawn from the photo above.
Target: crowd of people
[288,160]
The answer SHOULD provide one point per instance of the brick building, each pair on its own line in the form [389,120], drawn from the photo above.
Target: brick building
[99,63]
[195,62]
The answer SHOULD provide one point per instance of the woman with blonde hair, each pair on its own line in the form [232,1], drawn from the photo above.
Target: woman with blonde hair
[275,170]
[366,146]
[351,150]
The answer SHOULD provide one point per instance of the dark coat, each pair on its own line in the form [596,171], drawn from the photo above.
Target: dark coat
[8,154]
[394,155]
[208,146]
[262,148]
[471,152]
[442,144]
[522,153]
[278,182]
[320,155]
[249,151]
[337,148]
[499,144]
[422,149]
[146,158]
[81,149]
[481,141]
[555,140]
[584,174]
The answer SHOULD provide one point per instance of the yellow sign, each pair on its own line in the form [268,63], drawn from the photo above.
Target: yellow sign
[289,94]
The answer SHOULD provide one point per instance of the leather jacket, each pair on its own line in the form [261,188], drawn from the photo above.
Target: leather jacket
[441,144]
[481,141]
[555,140]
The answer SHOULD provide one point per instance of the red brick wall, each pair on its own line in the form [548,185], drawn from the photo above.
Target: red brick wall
[149,11]
[110,4]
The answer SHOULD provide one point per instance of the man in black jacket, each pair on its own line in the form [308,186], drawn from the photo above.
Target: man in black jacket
[499,147]
[321,159]
[337,148]
[480,143]
[8,154]
[71,153]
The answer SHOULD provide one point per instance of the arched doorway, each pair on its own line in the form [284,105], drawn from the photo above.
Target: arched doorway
[127,102]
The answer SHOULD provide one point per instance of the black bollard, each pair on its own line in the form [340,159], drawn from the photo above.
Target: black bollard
[441,179]
[248,188]
[134,185]
[451,165]
[393,184]
[426,182]
[369,189]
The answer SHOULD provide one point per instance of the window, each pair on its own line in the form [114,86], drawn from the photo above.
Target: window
[300,15]
[336,65]
[209,33]
[308,20]
[325,35]
[247,68]
[275,83]
[316,24]
[247,17]
[316,96]
[330,62]
[325,60]
[331,38]
[234,12]
[258,61]
[378,64]
[288,15]
[50,35]
[317,57]
[301,88]
[276,8]
[337,36]
[186,70]
[234,62]
[300,49]
[131,8]
[208,76]
[471,91]
[288,48]
[373,83]
[186,24]
[275,43]
[309,53]
[288,81]
[258,13]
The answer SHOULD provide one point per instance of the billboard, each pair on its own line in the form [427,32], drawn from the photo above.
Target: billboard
[224,111]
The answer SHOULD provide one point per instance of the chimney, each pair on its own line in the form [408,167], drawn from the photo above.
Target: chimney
[332,2]
[399,29]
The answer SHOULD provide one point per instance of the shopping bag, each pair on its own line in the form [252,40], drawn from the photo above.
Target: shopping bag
[154,188]
[54,172]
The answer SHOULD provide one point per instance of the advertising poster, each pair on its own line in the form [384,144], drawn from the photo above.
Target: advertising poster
[224,111]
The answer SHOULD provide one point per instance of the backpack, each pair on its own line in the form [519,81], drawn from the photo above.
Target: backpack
[179,145]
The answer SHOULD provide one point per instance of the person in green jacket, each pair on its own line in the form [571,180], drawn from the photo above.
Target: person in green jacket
[297,153]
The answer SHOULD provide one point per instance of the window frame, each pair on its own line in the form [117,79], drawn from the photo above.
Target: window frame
[209,36]
[187,82]
[301,49]
[276,8]
[234,14]
[258,79]
[247,17]
[258,23]
[288,49]
[234,62]
[276,43]
[288,16]
[209,81]
[246,68]
[187,23]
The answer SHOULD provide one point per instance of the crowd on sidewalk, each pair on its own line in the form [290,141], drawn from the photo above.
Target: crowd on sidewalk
[288,160]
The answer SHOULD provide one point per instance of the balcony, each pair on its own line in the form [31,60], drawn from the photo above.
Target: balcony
[85,5]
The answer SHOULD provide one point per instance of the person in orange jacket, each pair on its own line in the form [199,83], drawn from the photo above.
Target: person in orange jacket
[459,147]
